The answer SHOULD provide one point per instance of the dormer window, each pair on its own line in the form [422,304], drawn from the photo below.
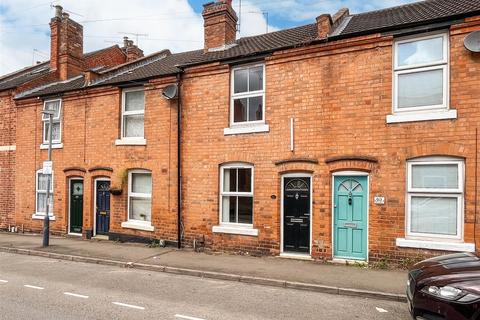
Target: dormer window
[247,102]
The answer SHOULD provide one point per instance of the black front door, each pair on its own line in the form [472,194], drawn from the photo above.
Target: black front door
[103,207]
[296,215]
[76,206]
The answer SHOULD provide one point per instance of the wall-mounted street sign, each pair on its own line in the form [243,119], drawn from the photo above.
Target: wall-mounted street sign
[379,200]
[47,167]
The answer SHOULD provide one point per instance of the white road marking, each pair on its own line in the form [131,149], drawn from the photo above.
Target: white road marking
[128,305]
[33,287]
[3,281]
[187,317]
[75,295]
[381,310]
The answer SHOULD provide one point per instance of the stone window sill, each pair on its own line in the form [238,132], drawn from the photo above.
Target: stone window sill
[235,230]
[245,129]
[140,225]
[131,142]
[422,116]
[436,245]
[41,216]
[54,146]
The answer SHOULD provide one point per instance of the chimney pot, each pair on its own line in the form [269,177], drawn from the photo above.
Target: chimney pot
[65,15]
[58,11]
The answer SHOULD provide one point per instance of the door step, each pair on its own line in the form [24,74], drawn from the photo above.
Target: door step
[297,256]
[100,237]
[348,262]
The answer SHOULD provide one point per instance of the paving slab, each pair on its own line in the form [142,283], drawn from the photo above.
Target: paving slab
[269,268]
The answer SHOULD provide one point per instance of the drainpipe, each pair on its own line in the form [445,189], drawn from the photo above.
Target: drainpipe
[179,161]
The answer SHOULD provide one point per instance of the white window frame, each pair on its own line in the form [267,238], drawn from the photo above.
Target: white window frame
[443,65]
[236,165]
[39,213]
[45,121]
[140,140]
[247,94]
[457,193]
[131,223]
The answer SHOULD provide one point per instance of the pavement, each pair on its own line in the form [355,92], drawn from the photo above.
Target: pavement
[34,287]
[269,271]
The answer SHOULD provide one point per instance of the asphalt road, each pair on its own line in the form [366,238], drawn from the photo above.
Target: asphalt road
[42,288]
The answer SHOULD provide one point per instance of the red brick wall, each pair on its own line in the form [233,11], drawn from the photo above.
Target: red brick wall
[7,158]
[108,58]
[339,94]
[90,127]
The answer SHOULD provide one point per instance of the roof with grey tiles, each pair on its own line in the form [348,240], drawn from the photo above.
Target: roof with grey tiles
[405,16]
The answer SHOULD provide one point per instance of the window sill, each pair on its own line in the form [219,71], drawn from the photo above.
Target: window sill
[246,129]
[235,230]
[426,116]
[39,216]
[138,225]
[131,142]
[436,245]
[54,146]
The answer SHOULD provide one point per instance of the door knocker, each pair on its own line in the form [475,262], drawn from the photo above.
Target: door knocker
[296,196]
[350,198]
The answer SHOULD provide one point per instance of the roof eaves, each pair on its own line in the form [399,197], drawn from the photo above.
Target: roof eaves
[36,89]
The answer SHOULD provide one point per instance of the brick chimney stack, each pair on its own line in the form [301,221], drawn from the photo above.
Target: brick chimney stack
[132,51]
[66,45]
[324,25]
[220,24]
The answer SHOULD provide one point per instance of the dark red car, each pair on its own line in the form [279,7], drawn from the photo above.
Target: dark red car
[445,287]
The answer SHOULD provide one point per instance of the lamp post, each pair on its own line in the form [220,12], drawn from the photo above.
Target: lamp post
[46,220]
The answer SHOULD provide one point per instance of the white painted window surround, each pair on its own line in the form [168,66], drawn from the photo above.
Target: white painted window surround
[435,204]
[421,79]
[247,100]
[236,200]
[55,105]
[139,200]
[40,196]
[132,118]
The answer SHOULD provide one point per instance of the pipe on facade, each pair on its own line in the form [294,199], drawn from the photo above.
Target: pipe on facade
[179,163]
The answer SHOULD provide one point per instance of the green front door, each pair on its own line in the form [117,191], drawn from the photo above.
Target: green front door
[350,217]
[76,206]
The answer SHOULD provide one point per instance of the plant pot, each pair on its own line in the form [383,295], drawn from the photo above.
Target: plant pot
[116,191]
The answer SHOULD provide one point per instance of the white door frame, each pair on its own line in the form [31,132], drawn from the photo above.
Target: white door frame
[94,233]
[347,174]
[296,175]
[70,203]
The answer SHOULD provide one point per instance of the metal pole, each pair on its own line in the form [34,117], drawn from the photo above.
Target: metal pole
[46,220]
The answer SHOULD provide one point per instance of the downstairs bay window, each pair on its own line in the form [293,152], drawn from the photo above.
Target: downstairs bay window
[434,204]
[236,200]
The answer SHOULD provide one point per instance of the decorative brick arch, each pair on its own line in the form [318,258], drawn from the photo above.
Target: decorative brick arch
[435,149]
[354,163]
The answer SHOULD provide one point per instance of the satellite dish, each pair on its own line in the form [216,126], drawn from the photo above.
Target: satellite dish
[472,41]
[170,92]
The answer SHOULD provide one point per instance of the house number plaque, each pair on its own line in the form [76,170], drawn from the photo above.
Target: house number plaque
[379,200]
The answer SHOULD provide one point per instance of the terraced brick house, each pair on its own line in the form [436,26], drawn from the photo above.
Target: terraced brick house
[67,61]
[351,138]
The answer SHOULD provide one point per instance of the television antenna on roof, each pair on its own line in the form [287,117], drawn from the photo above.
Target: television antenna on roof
[136,35]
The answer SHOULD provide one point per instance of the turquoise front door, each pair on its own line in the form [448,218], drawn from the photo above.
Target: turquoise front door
[350,217]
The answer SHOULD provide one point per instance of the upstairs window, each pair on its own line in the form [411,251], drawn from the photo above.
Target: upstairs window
[421,80]
[236,196]
[435,198]
[56,106]
[133,111]
[248,95]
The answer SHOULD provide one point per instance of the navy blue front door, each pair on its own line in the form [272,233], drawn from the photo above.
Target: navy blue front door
[102,211]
